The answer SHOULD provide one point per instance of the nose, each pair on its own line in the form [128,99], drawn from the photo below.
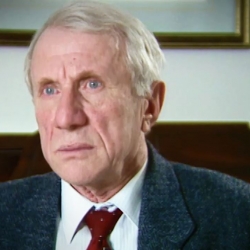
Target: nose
[69,112]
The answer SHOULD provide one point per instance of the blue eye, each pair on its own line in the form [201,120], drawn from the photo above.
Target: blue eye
[93,84]
[49,91]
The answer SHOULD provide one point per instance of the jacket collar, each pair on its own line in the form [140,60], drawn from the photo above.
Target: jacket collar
[164,219]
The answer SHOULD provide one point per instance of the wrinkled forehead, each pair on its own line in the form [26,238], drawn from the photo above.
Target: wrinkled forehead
[57,45]
[59,51]
[59,41]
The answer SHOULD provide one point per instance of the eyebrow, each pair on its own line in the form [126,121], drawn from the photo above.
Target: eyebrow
[44,81]
[87,74]
[82,75]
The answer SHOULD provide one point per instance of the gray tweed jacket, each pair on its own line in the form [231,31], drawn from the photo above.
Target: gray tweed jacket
[182,208]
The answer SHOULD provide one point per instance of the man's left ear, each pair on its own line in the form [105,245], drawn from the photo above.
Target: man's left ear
[155,103]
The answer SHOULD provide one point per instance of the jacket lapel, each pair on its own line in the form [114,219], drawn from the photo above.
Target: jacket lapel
[164,221]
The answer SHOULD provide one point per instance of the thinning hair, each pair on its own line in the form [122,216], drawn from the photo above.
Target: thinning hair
[143,56]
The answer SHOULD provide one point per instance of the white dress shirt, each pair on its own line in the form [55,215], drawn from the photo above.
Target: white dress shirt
[75,206]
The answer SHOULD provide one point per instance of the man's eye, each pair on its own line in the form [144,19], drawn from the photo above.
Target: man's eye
[93,84]
[49,91]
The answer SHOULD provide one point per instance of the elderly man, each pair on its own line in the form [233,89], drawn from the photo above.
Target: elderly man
[93,73]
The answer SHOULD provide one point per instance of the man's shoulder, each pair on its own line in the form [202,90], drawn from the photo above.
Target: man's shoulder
[28,182]
[197,180]
[27,188]
[209,180]
[192,178]
[28,208]
[206,202]
[218,204]
[203,188]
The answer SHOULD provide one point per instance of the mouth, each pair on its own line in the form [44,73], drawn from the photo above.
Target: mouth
[76,147]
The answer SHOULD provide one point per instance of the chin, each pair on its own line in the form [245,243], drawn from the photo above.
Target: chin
[74,174]
[74,178]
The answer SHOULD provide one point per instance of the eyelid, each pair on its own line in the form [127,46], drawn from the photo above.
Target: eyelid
[85,82]
[96,81]
[49,85]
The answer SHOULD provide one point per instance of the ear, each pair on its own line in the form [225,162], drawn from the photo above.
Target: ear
[155,103]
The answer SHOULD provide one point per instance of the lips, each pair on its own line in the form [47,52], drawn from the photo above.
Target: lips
[75,147]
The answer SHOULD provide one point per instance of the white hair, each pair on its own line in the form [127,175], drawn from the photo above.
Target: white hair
[143,56]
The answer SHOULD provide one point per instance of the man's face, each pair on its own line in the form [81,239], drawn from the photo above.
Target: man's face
[88,115]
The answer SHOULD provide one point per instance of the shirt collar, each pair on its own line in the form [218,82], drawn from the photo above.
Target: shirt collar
[73,208]
[128,200]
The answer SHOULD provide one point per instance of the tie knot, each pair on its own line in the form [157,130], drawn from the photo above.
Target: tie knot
[102,222]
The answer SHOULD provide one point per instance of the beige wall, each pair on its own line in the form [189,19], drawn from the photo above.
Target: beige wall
[203,85]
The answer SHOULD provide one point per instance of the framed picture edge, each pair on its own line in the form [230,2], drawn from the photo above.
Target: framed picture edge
[238,39]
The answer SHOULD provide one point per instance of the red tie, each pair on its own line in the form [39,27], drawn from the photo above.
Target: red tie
[101,224]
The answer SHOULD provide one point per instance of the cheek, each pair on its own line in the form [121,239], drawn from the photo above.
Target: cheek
[44,121]
[106,122]
[44,112]
[115,122]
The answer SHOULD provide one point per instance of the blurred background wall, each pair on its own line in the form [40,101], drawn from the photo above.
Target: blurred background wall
[202,85]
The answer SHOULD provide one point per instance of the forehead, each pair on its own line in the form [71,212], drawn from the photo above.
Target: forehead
[57,46]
